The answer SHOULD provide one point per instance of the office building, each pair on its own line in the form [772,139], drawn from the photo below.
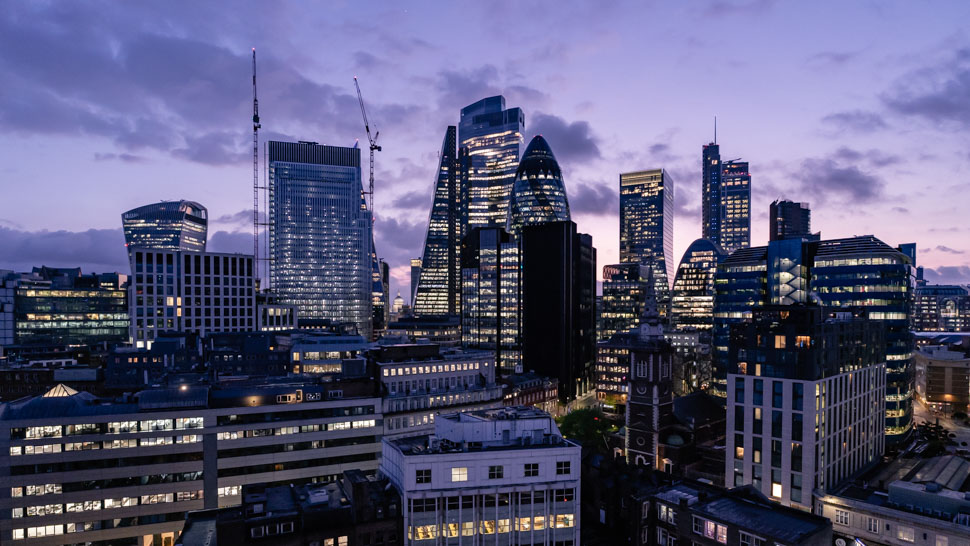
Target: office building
[806,402]
[421,382]
[58,307]
[492,136]
[692,298]
[787,219]
[274,317]
[168,225]
[380,298]
[735,206]
[329,354]
[441,330]
[439,287]
[853,272]
[941,308]
[622,303]
[81,469]
[415,277]
[320,233]
[194,292]
[530,389]
[504,476]
[558,278]
[357,509]
[711,193]
[538,194]
[647,226]
[490,299]
[943,378]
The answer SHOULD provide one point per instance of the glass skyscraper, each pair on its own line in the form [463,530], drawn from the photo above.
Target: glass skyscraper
[439,286]
[735,206]
[692,298]
[320,233]
[538,195]
[711,193]
[169,225]
[492,135]
[623,292]
[647,226]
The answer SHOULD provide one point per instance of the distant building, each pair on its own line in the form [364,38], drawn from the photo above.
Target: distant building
[735,206]
[623,286]
[320,233]
[499,476]
[647,226]
[380,298]
[415,277]
[329,354]
[275,317]
[193,292]
[692,298]
[806,402]
[941,308]
[529,389]
[943,378]
[357,509]
[788,219]
[492,137]
[711,213]
[398,304]
[168,225]
[442,330]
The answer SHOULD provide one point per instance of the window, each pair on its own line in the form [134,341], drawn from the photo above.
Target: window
[459,474]
[531,470]
[872,525]
[779,342]
[257,532]
[750,540]
[841,517]
[777,394]
[562,467]
[942,541]
[906,534]
[698,525]
[666,513]
[565,520]
[423,476]
[496,472]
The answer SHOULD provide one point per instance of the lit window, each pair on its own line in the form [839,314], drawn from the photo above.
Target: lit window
[776,490]
[459,474]
[779,342]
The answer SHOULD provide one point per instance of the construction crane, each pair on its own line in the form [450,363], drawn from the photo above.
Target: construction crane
[373,144]
[256,127]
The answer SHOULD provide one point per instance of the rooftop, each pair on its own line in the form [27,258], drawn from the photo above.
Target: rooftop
[781,523]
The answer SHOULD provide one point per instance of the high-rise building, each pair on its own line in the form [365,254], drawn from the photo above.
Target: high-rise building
[503,476]
[169,225]
[538,195]
[647,226]
[379,297]
[439,287]
[622,303]
[558,319]
[195,292]
[735,206]
[805,405]
[854,272]
[692,298]
[941,308]
[492,136]
[415,278]
[789,219]
[711,192]
[320,233]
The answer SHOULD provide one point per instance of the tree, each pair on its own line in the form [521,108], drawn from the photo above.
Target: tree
[586,426]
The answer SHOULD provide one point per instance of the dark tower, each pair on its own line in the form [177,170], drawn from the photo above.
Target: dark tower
[788,220]
[711,193]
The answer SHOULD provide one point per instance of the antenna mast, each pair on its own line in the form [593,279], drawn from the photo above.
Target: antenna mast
[256,127]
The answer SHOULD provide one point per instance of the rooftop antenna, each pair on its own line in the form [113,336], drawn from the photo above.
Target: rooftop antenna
[715,129]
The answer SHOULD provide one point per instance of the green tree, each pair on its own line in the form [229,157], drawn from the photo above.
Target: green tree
[586,426]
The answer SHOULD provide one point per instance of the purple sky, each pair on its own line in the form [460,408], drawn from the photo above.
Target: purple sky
[860,108]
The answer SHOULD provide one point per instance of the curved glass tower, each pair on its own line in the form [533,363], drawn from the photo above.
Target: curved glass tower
[492,136]
[538,194]
[692,299]
[169,225]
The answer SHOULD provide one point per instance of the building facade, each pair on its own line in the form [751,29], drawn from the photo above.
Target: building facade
[711,192]
[735,205]
[692,297]
[538,194]
[169,225]
[320,233]
[499,477]
[195,292]
[622,303]
[788,219]
[941,308]
[943,378]
[647,226]
[492,136]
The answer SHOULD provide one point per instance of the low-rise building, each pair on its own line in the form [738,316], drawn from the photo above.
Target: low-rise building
[444,330]
[943,378]
[504,476]
[531,389]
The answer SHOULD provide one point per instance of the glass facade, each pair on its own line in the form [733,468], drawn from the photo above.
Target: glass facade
[711,192]
[492,136]
[647,227]
[692,299]
[622,304]
[538,195]
[941,308]
[735,206]
[320,233]
[789,219]
[439,288]
[169,225]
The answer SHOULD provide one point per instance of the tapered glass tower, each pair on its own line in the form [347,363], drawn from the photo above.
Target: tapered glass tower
[492,136]
[538,195]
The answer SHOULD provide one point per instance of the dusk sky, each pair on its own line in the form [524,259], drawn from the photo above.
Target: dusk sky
[860,108]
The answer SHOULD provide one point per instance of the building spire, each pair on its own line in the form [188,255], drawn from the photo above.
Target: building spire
[715,129]
[650,326]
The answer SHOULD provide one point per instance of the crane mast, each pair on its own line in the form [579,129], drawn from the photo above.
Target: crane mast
[256,127]
[373,145]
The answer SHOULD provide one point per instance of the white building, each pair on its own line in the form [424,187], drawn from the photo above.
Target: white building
[185,291]
[495,477]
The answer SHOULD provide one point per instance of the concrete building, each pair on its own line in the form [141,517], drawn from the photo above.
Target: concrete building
[498,477]
[943,378]
[76,468]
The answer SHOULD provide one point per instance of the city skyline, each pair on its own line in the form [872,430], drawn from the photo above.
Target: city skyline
[869,115]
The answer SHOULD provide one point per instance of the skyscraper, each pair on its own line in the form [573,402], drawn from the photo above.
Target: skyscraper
[623,288]
[169,225]
[789,219]
[692,298]
[647,226]
[320,233]
[439,287]
[538,194]
[492,135]
[735,206]
[415,278]
[711,192]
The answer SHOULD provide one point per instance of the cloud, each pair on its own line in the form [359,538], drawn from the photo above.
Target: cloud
[412,199]
[570,141]
[94,250]
[858,121]
[459,88]
[243,218]
[948,250]
[901,210]
[239,242]
[874,157]
[398,240]
[363,59]
[947,274]
[832,58]
[596,199]
[723,8]
[123,157]
[825,178]
[939,94]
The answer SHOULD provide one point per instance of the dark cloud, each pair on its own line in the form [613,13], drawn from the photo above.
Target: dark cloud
[239,242]
[412,199]
[570,141]
[398,241]
[825,178]
[459,88]
[832,58]
[243,218]
[856,121]
[901,210]
[874,158]
[363,59]
[123,157]
[597,199]
[948,250]
[947,274]
[939,94]
[723,8]
[94,250]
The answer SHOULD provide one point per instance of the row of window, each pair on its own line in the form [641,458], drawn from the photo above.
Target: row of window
[92,505]
[491,527]
[460,473]
[115,427]
[873,525]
